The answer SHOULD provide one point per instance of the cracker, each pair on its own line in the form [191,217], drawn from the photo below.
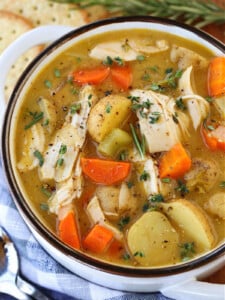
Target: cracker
[12,26]
[43,12]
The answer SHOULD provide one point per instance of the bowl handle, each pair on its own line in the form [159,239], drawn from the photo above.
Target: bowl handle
[34,37]
[195,290]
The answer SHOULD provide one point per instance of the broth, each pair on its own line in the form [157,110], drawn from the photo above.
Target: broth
[66,135]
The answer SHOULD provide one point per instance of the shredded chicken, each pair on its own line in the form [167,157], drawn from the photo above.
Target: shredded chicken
[158,120]
[198,107]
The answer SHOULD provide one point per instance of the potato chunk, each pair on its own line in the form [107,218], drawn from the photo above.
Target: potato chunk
[109,113]
[216,205]
[152,240]
[192,221]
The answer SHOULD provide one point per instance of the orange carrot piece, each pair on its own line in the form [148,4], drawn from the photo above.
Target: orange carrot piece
[106,172]
[214,140]
[115,249]
[216,77]
[174,163]
[68,231]
[98,239]
[122,76]
[92,76]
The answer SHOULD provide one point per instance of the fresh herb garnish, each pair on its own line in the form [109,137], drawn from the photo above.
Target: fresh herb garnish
[144,176]
[157,87]
[140,57]
[123,155]
[140,145]
[57,73]
[63,149]
[126,256]
[154,118]
[60,162]
[166,180]
[182,188]
[175,119]
[222,184]
[187,251]
[123,222]
[75,108]
[39,156]
[108,61]
[180,104]
[156,198]
[139,253]
[44,206]
[119,61]
[198,13]
[36,117]
[48,83]
[209,99]
[108,108]
[130,184]
[46,190]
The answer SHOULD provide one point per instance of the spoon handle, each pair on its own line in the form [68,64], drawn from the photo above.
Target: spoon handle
[11,289]
[29,289]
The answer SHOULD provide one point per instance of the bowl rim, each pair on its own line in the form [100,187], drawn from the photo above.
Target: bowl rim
[23,207]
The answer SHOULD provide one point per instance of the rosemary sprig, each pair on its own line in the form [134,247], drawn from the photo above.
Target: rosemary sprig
[200,13]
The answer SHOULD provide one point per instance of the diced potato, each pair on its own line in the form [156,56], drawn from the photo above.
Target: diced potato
[49,111]
[114,142]
[128,202]
[202,176]
[152,240]
[193,222]
[220,105]
[216,205]
[109,113]
[34,140]
[108,197]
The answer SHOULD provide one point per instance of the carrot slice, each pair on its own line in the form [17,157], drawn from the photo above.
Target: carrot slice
[174,163]
[68,230]
[122,76]
[214,140]
[216,75]
[106,172]
[91,76]
[115,249]
[98,239]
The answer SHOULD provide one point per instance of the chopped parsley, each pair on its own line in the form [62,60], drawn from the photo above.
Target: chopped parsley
[39,156]
[48,83]
[139,253]
[140,57]
[108,108]
[130,184]
[75,108]
[36,117]
[123,155]
[108,61]
[180,104]
[209,99]
[222,184]
[187,250]
[144,176]
[57,73]
[182,188]
[119,61]
[45,189]
[123,222]
[60,162]
[154,118]
[126,256]
[156,198]
[63,149]
[166,180]
[44,206]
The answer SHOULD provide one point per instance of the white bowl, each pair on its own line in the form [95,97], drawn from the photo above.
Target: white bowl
[179,281]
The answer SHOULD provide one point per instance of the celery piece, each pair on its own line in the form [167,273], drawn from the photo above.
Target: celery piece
[114,142]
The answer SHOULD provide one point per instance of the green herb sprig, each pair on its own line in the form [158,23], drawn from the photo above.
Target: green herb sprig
[200,13]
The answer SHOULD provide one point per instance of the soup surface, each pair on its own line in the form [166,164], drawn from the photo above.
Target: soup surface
[119,147]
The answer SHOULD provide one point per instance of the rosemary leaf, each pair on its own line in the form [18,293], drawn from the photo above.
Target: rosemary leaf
[199,13]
